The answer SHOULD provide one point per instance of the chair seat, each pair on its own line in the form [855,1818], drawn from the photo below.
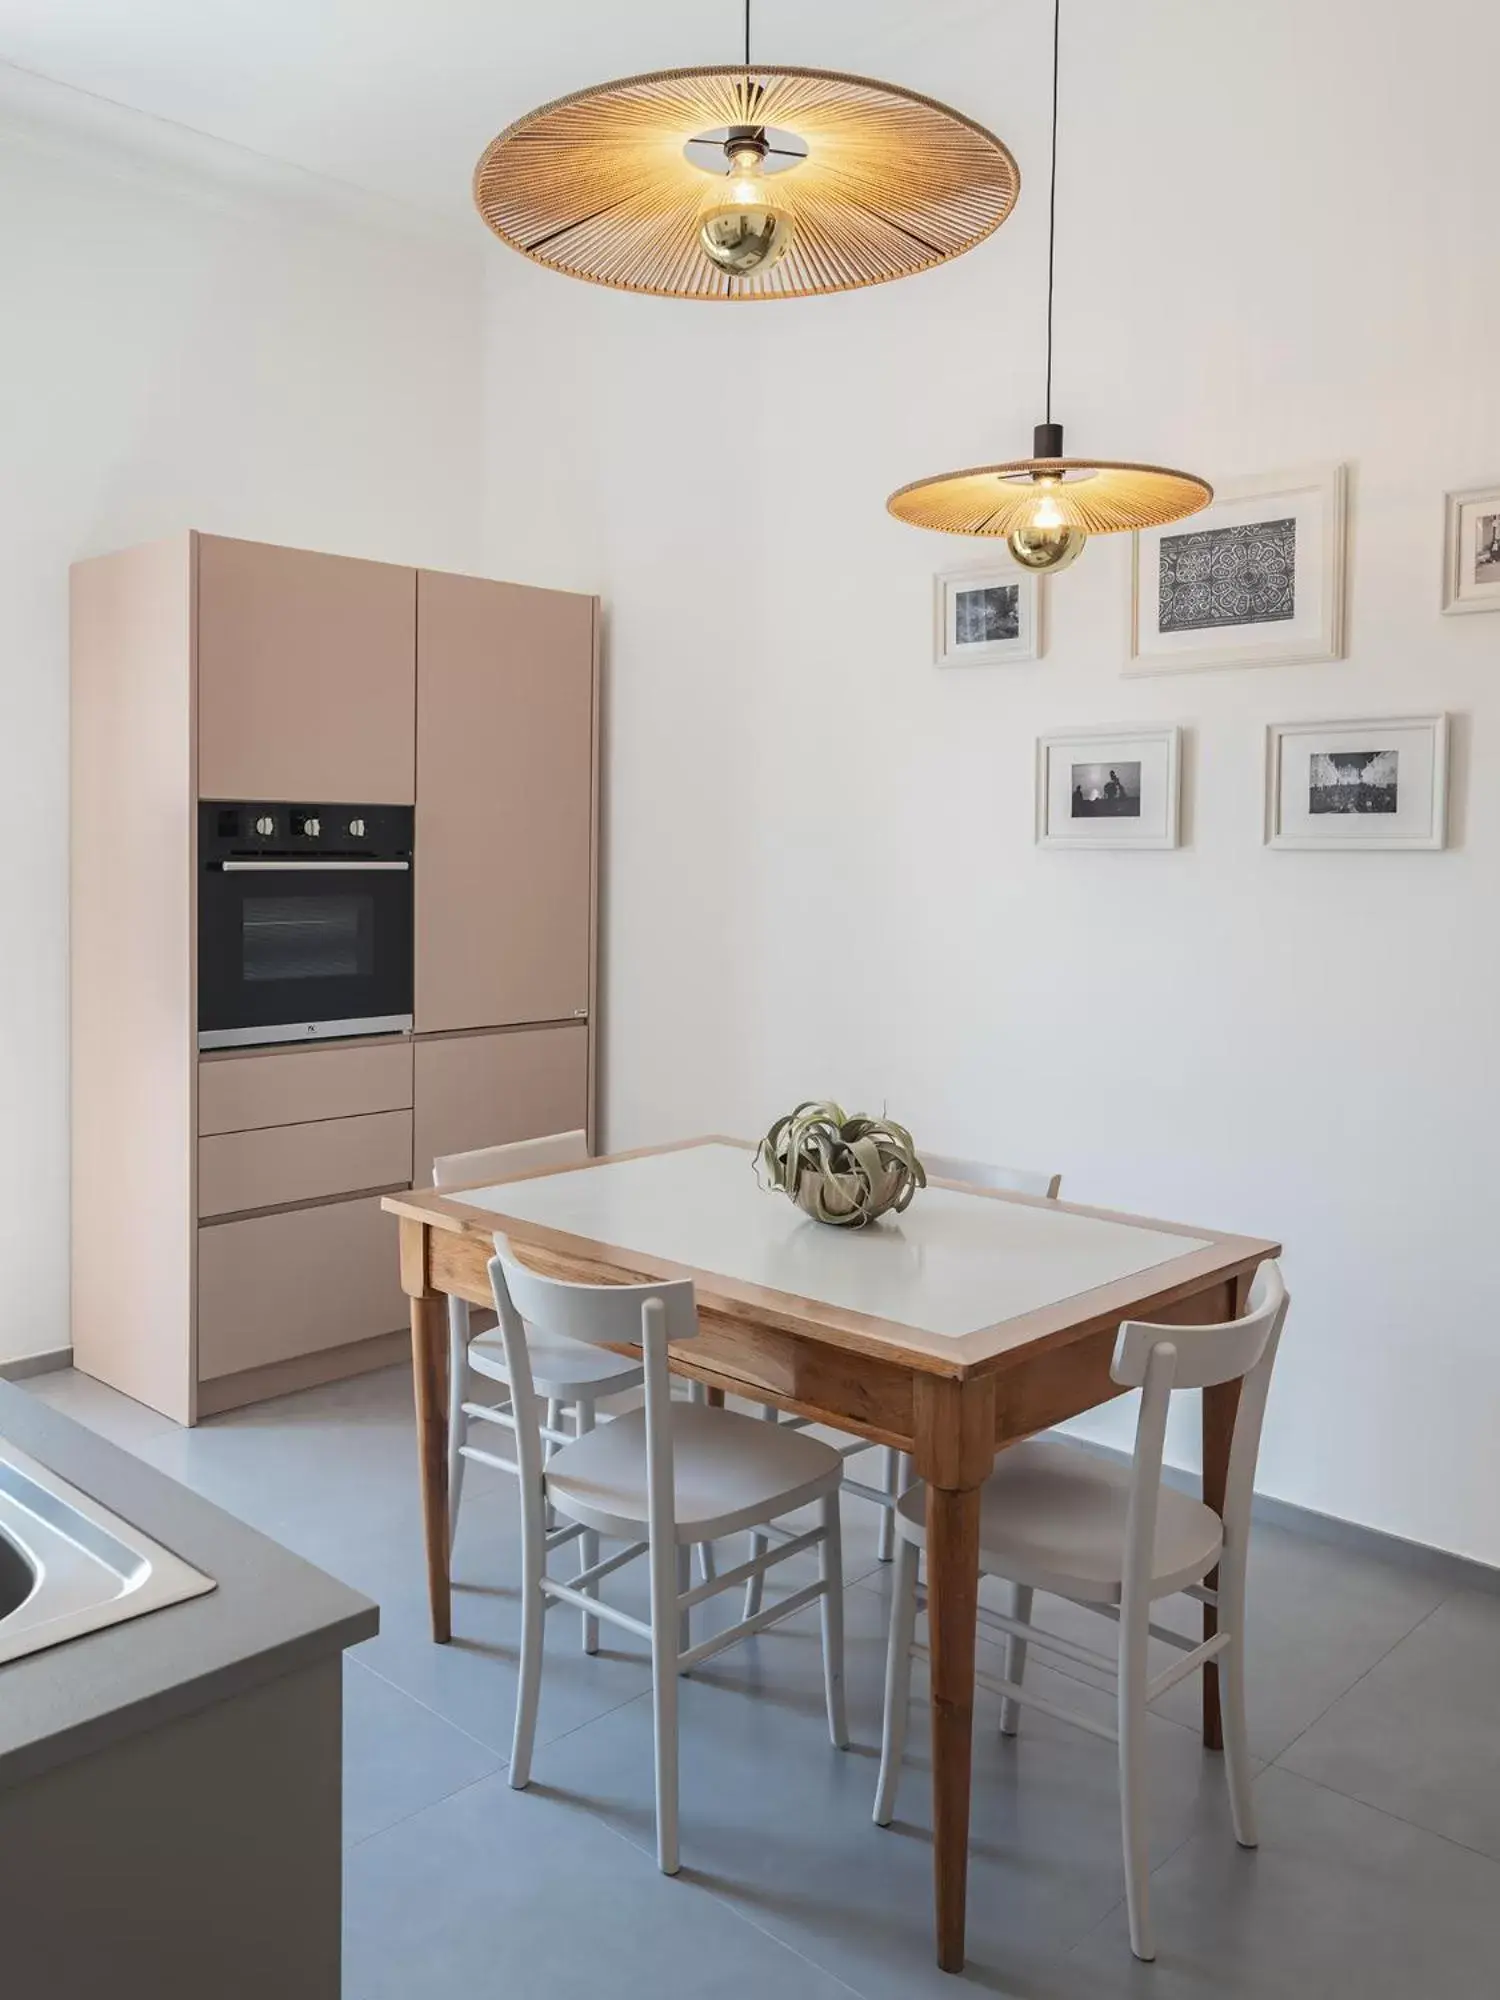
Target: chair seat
[1053,1516]
[732,1472]
[562,1370]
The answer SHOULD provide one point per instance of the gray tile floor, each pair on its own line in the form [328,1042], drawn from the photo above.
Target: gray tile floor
[1375,1719]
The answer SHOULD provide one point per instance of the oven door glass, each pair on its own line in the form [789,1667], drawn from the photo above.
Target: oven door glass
[304,949]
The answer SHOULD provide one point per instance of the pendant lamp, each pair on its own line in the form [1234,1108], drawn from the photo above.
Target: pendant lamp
[744,183]
[1045,507]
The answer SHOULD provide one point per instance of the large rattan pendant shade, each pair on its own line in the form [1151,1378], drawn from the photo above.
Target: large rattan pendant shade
[599,185]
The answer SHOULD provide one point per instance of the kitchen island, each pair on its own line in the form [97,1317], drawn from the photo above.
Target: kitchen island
[170,1786]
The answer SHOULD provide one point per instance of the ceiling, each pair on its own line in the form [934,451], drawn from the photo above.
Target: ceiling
[399,97]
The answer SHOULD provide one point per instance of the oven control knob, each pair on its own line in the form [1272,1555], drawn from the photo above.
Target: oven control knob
[265,824]
[356,829]
[312,828]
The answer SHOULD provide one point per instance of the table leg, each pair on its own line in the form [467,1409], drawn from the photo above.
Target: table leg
[1220,1405]
[429,1348]
[952,1619]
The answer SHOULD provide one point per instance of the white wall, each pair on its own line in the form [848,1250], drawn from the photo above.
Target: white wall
[1275,249]
[188,340]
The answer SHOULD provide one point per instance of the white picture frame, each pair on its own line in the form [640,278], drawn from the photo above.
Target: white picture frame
[1471,526]
[972,609]
[1075,767]
[1189,577]
[1309,763]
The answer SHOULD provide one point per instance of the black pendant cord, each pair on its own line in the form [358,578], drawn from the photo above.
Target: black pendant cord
[1052,189]
[747,34]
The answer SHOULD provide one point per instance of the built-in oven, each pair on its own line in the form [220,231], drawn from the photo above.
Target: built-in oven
[304,922]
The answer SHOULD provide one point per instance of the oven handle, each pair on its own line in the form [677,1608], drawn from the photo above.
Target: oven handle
[309,867]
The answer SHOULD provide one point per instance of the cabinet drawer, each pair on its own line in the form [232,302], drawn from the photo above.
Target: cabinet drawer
[273,1287]
[289,1163]
[298,1086]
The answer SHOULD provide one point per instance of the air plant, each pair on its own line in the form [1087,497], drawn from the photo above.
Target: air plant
[840,1170]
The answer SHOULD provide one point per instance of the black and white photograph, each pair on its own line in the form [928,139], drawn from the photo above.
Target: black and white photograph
[1487,548]
[1361,785]
[1109,787]
[985,616]
[1107,791]
[992,611]
[1228,576]
[1256,579]
[1353,781]
[1471,550]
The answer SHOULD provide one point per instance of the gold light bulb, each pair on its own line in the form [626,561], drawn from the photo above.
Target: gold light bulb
[1045,541]
[743,226]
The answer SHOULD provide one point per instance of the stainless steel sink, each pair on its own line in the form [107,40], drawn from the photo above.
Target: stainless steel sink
[68,1566]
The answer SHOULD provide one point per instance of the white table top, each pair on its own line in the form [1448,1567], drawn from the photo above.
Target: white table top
[951,1265]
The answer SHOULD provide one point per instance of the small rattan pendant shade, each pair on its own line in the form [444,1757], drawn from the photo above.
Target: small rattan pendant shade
[597,185]
[1090,494]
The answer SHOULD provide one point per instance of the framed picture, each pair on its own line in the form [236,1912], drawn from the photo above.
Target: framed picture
[1471,551]
[1255,580]
[1358,784]
[985,616]
[1108,788]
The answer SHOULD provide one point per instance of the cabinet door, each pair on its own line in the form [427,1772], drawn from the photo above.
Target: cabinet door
[505,794]
[306,676]
[485,1090]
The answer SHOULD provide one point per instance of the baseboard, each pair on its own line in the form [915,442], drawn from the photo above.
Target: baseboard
[26,1365]
[307,1371]
[1457,1572]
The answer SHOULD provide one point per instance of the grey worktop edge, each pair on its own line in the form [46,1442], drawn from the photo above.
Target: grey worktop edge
[271,1614]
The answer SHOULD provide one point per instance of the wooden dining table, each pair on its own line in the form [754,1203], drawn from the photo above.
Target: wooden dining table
[949,1331]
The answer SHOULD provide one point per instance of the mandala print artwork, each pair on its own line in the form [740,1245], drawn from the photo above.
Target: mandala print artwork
[1228,576]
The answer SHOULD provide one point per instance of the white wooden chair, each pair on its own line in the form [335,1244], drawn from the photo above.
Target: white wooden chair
[662,1479]
[896,1467]
[1114,1539]
[571,1376]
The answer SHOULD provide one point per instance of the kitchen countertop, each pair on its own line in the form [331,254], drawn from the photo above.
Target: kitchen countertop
[271,1613]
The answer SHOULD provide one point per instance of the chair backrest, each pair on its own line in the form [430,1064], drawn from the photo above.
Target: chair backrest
[500,1163]
[1014,1180]
[1160,1359]
[656,1316]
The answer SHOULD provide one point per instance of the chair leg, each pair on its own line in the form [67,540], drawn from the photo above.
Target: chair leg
[708,1567]
[667,1638]
[885,1546]
[554,1423]
[1015,1657]
[1134,1828]
[831,1575]
[1232,1701]
[533,1632]
[903,1634]
[684,1584]
[588,1541]
[458,1423]
[755,1589]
